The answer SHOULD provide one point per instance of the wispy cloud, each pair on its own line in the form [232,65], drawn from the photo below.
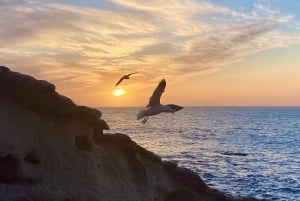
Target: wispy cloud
[65,43]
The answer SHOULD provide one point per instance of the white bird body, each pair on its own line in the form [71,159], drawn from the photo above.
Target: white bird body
[154,107]
[150,111]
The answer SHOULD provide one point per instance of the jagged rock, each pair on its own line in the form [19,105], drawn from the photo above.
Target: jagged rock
[182,195]
[98,130]
[83,142]
[185,176]
[32,158]
[129,146]
[10,169]
[40,97]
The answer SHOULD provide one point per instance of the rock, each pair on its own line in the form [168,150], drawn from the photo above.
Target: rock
[32,158]
[186,177]
[128,146]
[182,195]
[40,97]
[10,169]
[83,143]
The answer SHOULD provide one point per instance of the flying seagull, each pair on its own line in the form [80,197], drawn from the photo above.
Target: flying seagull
[155,107]
[124,77]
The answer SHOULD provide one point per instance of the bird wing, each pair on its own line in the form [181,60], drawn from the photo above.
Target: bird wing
[131,73]
[155,98]
[122,78]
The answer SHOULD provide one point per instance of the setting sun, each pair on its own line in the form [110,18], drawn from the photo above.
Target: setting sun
[118,92]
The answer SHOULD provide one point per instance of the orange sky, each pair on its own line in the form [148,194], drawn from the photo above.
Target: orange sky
[210,55]
[265,79]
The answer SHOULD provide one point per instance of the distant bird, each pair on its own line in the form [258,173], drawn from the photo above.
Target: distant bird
[124,77]
[154,107]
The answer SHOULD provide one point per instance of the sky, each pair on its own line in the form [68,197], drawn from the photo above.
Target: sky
[211,52]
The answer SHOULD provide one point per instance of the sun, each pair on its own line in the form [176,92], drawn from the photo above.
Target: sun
[119,92]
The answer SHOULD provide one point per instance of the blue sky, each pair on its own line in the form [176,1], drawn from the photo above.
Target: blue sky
[291,7]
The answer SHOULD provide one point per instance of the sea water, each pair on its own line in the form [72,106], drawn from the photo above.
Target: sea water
[242,151]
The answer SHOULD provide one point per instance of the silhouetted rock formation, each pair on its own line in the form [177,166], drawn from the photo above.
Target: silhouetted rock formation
[52,149]
[10,170]
[32,158]
[40,97]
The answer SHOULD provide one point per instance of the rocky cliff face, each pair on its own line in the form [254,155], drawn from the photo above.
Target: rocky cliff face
[54,150]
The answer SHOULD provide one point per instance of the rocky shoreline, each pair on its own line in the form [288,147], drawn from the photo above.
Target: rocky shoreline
[54,150]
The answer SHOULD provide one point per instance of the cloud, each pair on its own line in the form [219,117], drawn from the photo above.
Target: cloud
[63,42]
[158,49]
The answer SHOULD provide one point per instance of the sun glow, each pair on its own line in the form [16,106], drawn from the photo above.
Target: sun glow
[119,92]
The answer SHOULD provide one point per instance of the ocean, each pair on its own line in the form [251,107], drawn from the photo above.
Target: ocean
[242,151]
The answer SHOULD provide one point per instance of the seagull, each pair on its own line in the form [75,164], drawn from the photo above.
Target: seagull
[124,77]
[155,107]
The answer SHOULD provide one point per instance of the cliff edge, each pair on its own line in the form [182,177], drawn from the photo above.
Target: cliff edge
[54,150]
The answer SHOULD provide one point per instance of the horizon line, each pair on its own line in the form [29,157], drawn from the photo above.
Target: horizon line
[211,106]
